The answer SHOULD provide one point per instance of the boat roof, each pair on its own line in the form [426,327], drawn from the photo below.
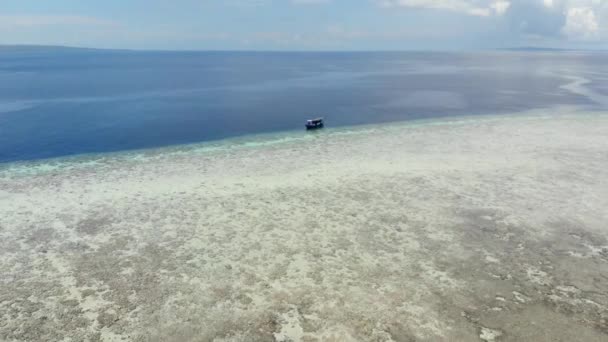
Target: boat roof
[317,119]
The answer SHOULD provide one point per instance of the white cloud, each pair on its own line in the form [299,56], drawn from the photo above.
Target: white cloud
[500,7]
[481,8]
[309,2]
[581,22]
[31,21]
[573,19]
[581,19]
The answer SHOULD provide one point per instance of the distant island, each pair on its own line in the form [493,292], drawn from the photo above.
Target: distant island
[546,49]
[51,48]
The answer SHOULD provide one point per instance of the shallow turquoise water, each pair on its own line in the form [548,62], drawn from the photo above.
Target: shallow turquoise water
[263,141]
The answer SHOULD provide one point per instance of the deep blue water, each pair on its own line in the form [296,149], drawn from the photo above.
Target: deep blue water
[56,102]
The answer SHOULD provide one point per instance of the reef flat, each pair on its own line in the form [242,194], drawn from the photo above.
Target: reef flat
[488,228]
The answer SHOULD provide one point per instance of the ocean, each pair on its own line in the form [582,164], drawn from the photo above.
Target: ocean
[59,101]
[155,196]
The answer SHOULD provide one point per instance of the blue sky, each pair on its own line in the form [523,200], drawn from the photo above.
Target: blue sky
[306,24]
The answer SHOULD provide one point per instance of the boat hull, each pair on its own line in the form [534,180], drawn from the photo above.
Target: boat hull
[311,127]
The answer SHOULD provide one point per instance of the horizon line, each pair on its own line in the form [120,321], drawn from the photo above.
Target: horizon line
[513,48]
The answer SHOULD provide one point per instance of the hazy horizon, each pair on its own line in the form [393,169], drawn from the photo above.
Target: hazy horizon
[531,48]
[325,25]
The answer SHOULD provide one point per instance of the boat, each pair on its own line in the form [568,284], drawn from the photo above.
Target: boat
[314,123]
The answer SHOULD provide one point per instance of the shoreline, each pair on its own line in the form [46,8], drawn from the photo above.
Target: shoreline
[52,164]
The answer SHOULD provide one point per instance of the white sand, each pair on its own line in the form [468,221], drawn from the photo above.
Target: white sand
[382,233]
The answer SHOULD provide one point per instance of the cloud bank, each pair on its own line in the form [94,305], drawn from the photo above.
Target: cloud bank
[571,19]
[318,24]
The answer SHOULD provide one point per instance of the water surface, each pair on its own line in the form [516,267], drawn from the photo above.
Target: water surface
[57,102]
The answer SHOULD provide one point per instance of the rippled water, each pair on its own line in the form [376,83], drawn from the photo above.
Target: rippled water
[64,102]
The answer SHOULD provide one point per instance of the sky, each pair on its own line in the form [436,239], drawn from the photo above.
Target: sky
[306,24]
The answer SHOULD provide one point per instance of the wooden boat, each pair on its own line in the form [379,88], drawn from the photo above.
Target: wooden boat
[314,123]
